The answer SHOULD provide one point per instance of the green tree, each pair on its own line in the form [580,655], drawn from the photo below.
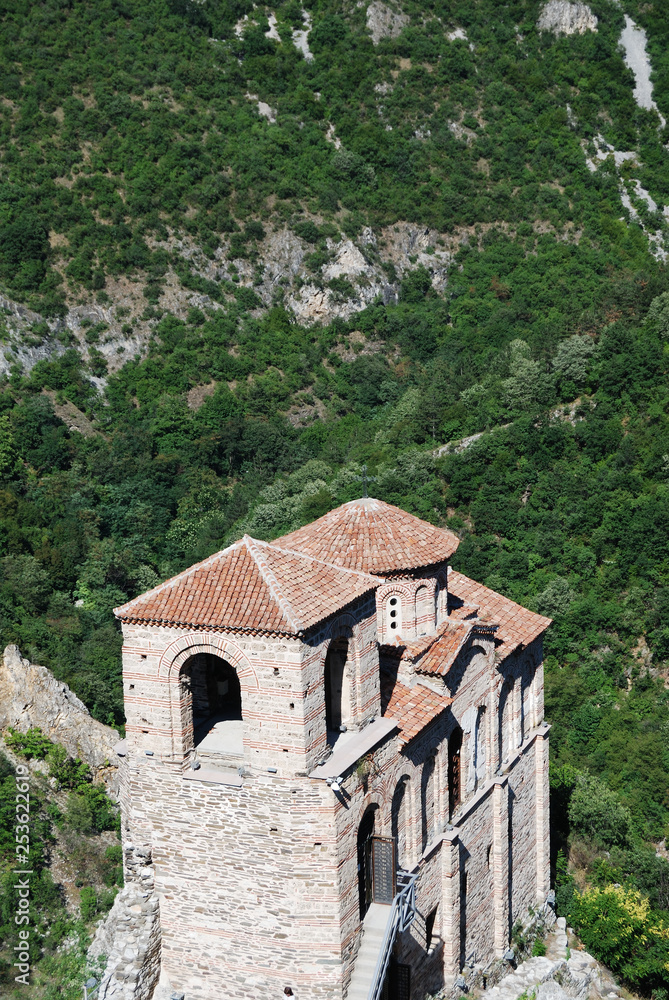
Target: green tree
[596,813]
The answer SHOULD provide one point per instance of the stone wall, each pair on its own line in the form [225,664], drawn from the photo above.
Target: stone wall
[30,696]
[281,681]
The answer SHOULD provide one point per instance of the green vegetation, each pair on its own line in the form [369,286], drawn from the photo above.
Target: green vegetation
[63,822]
[129,128]
[130,151]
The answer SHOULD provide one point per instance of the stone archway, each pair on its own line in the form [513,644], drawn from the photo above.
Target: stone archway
[171,668]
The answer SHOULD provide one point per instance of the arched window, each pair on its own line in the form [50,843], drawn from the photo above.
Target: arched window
[479,747]
[441,599]
[394,616]
[505,722]
[212,705]
[428,805]
[454,771]
[425,616]
[399,821]
[337,689]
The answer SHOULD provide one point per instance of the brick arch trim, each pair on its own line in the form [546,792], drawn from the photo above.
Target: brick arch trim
[176,654]
[343,626]
[406,589]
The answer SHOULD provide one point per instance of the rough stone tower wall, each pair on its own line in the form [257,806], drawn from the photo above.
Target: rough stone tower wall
[245,853]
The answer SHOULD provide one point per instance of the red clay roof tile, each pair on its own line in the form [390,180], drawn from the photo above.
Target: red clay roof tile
[251,585]
[413,708]
[373,537]
[516,624]
[441,656]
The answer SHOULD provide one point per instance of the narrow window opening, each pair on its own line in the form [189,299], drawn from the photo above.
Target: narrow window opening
[336,689]
[430,921]
[394,615]
[454,770]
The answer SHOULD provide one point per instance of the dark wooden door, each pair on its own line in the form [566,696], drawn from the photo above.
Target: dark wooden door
[397,985]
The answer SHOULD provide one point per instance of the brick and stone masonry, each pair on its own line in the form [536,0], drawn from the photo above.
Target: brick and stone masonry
[353,623]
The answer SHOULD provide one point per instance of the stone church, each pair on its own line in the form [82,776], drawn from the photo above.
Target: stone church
[336,764]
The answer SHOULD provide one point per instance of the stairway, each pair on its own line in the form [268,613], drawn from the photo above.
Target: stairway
[375,925]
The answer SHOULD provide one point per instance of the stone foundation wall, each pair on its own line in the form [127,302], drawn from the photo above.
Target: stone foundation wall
[247,878]
[129,937]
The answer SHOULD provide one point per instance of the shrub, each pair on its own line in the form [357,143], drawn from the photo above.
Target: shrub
[617,925]
[33,744]
[89,810]
[89,903]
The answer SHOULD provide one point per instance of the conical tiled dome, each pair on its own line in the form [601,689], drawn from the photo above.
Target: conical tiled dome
[372,537]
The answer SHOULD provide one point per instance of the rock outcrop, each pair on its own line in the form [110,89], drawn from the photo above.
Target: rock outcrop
[564,18]
[129,938]
[384,22]
[31,696]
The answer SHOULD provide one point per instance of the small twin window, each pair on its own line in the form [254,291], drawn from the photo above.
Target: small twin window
[394,615]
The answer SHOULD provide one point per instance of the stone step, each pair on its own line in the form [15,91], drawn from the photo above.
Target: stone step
[373,935]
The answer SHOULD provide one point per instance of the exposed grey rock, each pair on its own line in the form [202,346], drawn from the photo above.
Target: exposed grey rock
[31,696]
[564,18]
[301,38]
[384,22]
[633,40]
[551,991]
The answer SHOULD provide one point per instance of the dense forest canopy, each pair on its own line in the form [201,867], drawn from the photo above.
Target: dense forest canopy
[133,150]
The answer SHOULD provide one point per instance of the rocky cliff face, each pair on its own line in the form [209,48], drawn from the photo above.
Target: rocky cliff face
[563,18]
[355,273]
[30,696]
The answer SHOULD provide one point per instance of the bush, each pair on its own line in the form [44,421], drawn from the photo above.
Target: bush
[89,903]
[89,810]
[33,744]
[564,885]
[617,925]
[597,814]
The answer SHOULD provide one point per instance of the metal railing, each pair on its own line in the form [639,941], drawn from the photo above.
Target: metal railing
[402,915]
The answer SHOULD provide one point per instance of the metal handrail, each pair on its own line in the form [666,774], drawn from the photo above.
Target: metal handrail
[402,915]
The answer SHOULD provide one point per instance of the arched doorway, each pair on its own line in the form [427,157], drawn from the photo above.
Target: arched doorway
[365,835]
[216,700]
[454,771]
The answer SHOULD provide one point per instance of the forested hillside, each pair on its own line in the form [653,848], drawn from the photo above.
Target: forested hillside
[246,251]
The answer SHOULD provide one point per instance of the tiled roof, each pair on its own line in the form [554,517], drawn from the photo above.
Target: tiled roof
[251,585]
[373,537]
[516,624]
[441,656]
[413,708]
